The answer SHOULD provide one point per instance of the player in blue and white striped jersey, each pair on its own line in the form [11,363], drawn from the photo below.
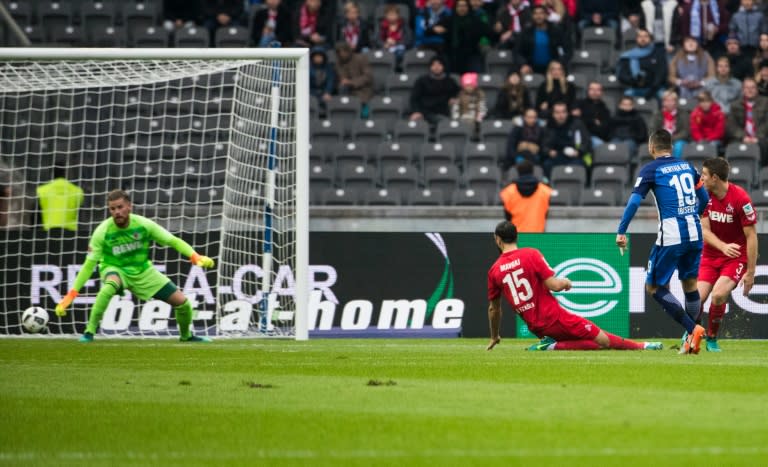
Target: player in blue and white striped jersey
[680,199]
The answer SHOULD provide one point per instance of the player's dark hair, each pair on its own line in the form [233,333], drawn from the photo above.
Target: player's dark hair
[718,166]
[661,140]
[115,195]
[506,231]
[524,167]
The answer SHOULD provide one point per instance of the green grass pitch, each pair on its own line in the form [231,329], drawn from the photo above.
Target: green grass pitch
[377,402]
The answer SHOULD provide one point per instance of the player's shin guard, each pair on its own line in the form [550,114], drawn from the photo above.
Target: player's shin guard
[692,304]
[674,308]
[184,314]
[619,343]
[716,313]
[107,291]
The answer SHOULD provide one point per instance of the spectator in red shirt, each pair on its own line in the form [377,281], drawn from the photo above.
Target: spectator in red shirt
[707,121]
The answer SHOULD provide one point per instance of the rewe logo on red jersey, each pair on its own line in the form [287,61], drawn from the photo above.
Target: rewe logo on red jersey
[721,217]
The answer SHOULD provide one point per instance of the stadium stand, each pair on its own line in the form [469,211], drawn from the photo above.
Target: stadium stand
[400,157]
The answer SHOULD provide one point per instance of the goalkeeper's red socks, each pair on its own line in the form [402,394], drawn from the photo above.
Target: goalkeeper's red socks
[716,313]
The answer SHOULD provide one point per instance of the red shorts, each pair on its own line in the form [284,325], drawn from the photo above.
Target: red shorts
[711,269]
[569,327]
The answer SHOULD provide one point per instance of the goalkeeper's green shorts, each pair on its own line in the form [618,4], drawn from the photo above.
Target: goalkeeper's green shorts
[144,285]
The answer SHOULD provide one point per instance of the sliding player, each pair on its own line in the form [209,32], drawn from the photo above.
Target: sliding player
[527,282]
[730,243]
[120,247]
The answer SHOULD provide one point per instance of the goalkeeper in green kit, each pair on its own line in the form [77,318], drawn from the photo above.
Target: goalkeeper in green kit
[120,247]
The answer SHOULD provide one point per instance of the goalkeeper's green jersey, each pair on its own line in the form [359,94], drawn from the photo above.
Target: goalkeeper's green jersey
[128,248]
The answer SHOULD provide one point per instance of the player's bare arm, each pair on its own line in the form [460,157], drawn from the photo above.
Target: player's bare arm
[749,277]
[731,250]
[558,284]
[621,240]
[494,320]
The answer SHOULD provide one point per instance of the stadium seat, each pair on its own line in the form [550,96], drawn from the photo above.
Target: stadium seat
[598,197]
[628,39]
[53,15]
[141,15]
[480,154]
[511,174]
[413,132]
[697,153]
[369,132]
[381,197]
[399,86]
[610,178]
[646,108]
[321,175]
[566,196]
[339,197]
[481,177]
[442,177]
[66,35]
[611,154]
[568,175]
[192,37]
[436,154]
[743,174]
[499,62]
[416,62]
[382,63]
[232,36]
[357,177]
[326,131]
[387,110]
[454,132]
[580,82]
[470,197]
[424,197]
[97,15]
[760,197]
[686,104]
[611,88]
[148,37]
[496,132]
[21,12]
[601,40]
[346,153]
[643,156]
[586,61]
[491,84]
[105,36]
[345,109]
[762,178]
[741,152]
[532,82]
[319,151]
[400,177]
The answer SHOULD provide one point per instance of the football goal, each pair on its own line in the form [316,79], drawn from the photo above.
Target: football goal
[212,144]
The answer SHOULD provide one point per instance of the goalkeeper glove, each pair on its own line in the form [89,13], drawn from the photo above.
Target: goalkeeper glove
[61,308]
[202,261]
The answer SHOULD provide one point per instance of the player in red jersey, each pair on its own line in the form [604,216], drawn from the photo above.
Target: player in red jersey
[527,282]
[730,244]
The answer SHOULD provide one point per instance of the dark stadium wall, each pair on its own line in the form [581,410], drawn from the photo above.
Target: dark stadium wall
[401,284]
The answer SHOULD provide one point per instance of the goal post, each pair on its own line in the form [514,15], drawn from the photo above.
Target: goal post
[213,144]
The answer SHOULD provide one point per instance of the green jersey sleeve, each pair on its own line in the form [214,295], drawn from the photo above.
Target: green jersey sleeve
[165,238]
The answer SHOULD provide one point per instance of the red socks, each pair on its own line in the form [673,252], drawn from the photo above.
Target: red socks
[577,345]
[716,313]
[616,343]
[619,343]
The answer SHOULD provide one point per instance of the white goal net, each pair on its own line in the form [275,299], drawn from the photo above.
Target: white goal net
[211,144]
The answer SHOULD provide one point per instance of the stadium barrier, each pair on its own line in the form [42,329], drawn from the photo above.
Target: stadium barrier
[385,284]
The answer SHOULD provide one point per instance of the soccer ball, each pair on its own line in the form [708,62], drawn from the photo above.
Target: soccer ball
[34,319]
